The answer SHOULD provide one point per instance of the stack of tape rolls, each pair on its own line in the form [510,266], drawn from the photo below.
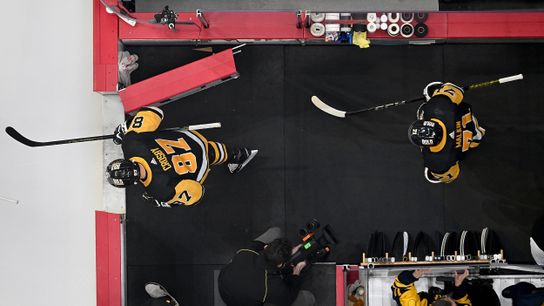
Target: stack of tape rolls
[421,30]
[407,30]
[393,17]
[371,27]
[407,17]
[345,27]
[405,24]
[332,29]
[421,17]
[317,29]
[371,17]
[393,29]
[317,17]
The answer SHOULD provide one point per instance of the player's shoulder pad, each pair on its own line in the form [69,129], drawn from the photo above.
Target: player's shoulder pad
[147,119]
[153,109]
[188,193]
[452,91]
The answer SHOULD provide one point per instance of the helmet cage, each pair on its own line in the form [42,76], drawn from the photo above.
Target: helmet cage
[122,173]
[425,133]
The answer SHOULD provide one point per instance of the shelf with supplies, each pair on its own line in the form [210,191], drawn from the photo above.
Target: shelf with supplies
[359,28]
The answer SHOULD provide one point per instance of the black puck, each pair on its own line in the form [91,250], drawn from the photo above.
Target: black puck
[407,30]
[421,30]
[421,16]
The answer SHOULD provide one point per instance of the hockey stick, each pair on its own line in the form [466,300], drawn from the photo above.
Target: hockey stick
[342,114]
[31,143]
[121,13]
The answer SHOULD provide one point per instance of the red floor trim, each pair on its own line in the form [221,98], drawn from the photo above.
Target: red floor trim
[108,259]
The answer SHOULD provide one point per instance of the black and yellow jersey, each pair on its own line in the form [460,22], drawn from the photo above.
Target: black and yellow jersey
[405,292]
[176,162]
[459,127]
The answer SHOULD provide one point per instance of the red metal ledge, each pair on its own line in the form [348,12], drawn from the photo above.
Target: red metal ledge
[105,38]
[180,82]
[223,26]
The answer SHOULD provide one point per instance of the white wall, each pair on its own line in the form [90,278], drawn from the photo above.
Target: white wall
[47,254]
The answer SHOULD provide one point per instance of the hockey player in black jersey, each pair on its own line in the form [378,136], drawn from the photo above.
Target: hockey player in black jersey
[171,164]
[445,130]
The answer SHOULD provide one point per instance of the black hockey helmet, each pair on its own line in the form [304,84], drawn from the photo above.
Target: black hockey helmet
[122,173]
[425,133]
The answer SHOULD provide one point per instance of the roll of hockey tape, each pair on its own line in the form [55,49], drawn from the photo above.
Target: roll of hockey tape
[317,29]
[317,17]
[407,30]
[332,16]
[393,17]
[421,16]
[407,17]
[371,27]
[421,30]
[383,26]
[393,29]
[383,18]
[371,17]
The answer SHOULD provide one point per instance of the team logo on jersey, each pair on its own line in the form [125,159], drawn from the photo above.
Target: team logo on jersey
[153,161]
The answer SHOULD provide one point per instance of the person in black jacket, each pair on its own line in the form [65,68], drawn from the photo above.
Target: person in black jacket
[256,275]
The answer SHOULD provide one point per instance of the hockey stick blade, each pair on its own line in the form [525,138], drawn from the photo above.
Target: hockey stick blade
[31,143]
[328,109]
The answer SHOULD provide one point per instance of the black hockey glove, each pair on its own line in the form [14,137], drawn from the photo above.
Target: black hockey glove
[429,90]
[119,133]
[154,201]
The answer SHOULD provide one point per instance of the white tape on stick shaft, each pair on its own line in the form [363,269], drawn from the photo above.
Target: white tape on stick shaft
[511,78]
[204,126]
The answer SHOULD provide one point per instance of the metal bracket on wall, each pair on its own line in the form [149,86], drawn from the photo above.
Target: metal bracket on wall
[202,19]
